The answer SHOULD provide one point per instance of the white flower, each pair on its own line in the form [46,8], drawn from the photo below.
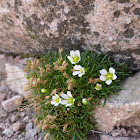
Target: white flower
[44,90]
[69,100]
[55,100]
[98,86]
[108,76]
[74,57]
[79,70]
[84,101]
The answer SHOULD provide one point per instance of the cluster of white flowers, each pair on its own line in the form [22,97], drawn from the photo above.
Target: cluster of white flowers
[74,58]
[67,99]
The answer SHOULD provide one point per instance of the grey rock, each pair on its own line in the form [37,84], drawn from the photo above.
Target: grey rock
[107,137]
[3,114]
[22,114]
[33,132]
[14,118]
[115,133]
[12,103]
[124,107]
[29,126]
[5,59]
[18,80]
[26,119]
[73,27]
[18,126]
[8,132]
[22,138]
[2,97]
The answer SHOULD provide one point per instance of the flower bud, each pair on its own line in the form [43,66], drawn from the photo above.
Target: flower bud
[44,90]
[73,80]
[84,101]
[98,86]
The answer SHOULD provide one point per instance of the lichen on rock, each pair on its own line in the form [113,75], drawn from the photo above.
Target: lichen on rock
[35,26]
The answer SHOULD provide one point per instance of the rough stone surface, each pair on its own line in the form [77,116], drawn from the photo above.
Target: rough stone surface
[29,126]
[2,97]
[3,114]
[16,79]
[8,132]
[121,109]
[18,125]
[4,59]
[107,137]
[12,103]
[30,26]
[14,118]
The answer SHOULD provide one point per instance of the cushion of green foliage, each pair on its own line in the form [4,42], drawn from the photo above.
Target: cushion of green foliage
[52,74]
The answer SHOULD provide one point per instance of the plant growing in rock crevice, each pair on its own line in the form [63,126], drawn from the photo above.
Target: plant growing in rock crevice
[66,90]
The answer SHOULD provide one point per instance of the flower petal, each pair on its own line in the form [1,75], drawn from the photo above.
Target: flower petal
[103,72]
[77,52]
[70,58]
[73,101]
[64,96]
[68,105]
[114,77]
[111,70]
[80,75]
[64,102]
[53,102]
[69,94]
[53,97]
[56,95]
[72,53]
[76,73]
[79,59]
[56,104]
[108,82]
[77,67]
[102,78]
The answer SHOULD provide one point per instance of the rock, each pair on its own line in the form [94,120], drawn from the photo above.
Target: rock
[107,137]
[137,11]
[12,103]
[26,119]
[22,138]
[17,78]
[33,132]
[2,97]
[18,126]
[3,114]
[29,126]
[115,133]
[14,118]
[22,114]
[8,132]
[17,132]
[129,33]
[5,59]
[68,24]
[121,108]
[135,130]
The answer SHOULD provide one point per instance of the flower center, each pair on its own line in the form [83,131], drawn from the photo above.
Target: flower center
[75,58]
[57,99]
[81,70]
[109,76]
[70,100]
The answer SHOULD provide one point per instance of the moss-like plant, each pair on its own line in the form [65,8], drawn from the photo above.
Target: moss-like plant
[66,88]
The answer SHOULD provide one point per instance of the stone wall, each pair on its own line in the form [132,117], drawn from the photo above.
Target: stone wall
[33,26]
